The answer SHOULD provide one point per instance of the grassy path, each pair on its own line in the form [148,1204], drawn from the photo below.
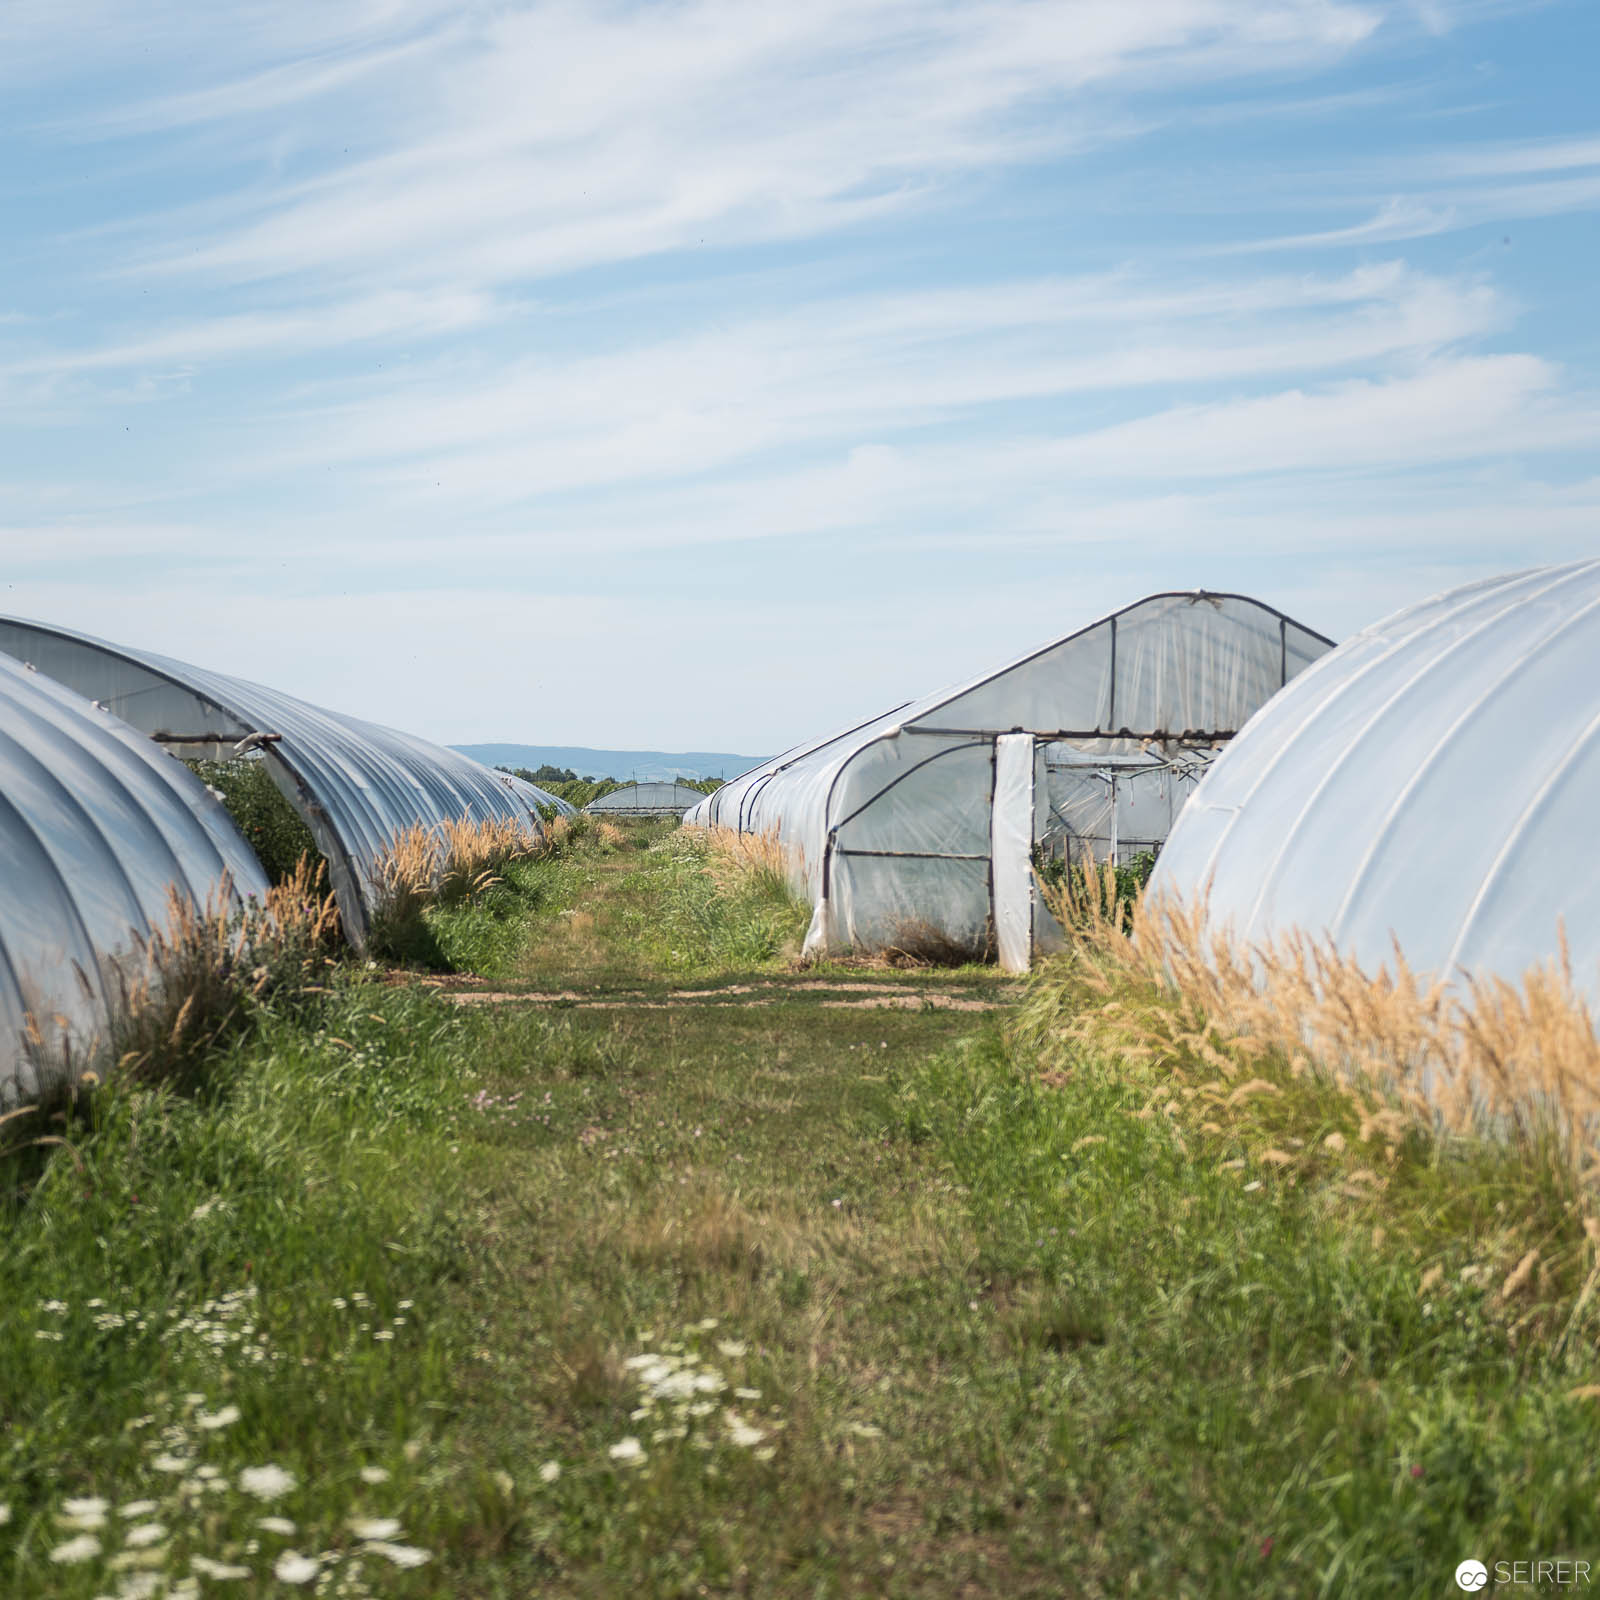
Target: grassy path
[723,1150]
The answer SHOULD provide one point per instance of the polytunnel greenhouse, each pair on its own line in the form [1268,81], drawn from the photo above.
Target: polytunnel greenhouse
[355,784]
[917,830]
[646,800]
[1433,782]
[97,826]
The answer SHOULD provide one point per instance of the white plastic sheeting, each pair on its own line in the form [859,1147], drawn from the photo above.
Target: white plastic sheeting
[1434,781]
[651,799]
[889,825]
[355,783]
[1013,826]
[96,826]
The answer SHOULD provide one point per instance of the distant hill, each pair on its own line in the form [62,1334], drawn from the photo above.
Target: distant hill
[622,764]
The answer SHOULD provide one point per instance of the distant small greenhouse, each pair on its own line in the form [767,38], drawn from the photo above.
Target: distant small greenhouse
[653,799]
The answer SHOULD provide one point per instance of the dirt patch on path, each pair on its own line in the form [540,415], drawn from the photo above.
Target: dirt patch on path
[878,997]
[913,1002]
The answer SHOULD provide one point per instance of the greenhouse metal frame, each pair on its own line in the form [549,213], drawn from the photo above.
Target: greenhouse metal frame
[916,829]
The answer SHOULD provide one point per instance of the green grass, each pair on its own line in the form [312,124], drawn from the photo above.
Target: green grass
[1247,1389]
[992,1359]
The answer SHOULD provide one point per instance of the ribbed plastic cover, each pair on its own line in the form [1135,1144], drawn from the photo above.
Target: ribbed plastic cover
[96,825]
[1434,780]
[356,783]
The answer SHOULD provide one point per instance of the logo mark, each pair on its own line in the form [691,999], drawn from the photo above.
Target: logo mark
[1472,1576]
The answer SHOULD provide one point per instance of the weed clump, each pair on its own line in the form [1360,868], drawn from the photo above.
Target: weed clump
[208,965]
[446,866]
[1516,1062]
[730,899]
[916,944]
[177,995]
[1072,887]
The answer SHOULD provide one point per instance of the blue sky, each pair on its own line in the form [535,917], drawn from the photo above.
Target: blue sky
[704,375]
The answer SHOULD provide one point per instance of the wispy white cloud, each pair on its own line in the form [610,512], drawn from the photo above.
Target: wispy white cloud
[544,139]
[277,333]
[1448,189]
[1396,219]
[868,367]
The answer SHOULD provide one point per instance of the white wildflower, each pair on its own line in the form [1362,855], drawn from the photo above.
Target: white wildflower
[275,1525]
[143,1534]
[86,1515]
[374,1527]
[212,1420]
[740,1433]
[383,1334]
[170,1463]
[84,1548]
[865,1430]
[267,1483]
[292,1567]
[54,1335]
[54,1306]
[136,1508]
[374,1475]
[207,1568]
[148,1559]
[403,1555]
[765,1453]
[139,1586]
[748,1394]
[731,1348]
[5,1515]
[705,1325]
[628,1451]
[548,1473]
